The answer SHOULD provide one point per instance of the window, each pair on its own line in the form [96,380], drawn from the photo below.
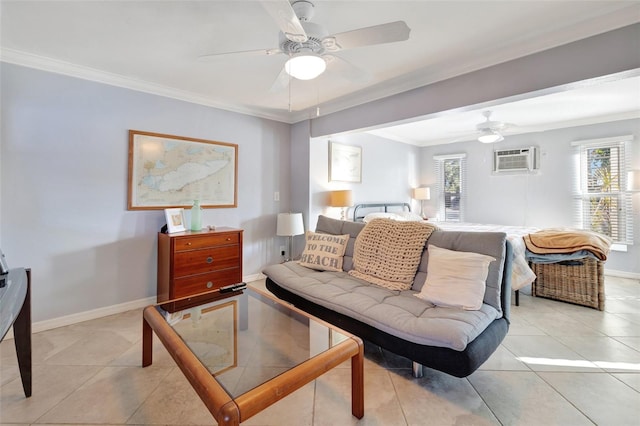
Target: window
[603,205]
[451,171]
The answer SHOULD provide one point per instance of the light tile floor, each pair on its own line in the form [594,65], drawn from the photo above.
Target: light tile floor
[560,364]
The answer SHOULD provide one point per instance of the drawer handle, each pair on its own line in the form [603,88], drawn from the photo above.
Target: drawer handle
[209,259]
[229,239]
[188,244]
[209,284]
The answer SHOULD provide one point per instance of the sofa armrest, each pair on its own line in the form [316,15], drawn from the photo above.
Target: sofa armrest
[505,291]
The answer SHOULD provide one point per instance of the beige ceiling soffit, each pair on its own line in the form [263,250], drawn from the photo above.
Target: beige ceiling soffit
[43,63]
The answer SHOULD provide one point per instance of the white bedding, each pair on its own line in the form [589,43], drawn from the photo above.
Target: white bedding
[522,275]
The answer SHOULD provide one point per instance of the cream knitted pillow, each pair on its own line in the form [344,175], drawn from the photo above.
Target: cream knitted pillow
[388,252]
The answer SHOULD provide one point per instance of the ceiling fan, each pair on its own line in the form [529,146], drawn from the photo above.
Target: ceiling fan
[311,48]
[491,131]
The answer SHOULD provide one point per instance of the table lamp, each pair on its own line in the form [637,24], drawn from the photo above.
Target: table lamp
[289,224]
[342,199]
[422,194]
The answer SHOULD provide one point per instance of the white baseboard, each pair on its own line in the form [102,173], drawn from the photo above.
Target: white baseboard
[621,274]
[103,312]
[87,315]
[254,277]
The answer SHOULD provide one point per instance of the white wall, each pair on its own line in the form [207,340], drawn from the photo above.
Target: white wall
[63,210]
[389,171]
[544,199]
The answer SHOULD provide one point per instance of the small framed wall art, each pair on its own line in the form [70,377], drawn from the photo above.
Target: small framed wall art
[345,163]
[175,220]
[167,171]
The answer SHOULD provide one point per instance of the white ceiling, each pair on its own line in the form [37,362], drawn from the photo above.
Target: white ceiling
[154,46]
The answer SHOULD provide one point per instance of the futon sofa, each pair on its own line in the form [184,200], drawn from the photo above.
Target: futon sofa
[449,339]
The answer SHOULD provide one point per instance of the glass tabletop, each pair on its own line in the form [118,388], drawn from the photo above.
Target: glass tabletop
[249,339]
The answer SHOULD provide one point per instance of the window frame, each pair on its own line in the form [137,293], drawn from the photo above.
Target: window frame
[584,196]
[440,160]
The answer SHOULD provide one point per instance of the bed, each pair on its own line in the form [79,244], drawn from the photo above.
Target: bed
[522,273]
[361,210]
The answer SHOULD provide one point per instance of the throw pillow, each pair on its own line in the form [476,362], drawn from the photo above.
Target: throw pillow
[387,252]
[455,279]
[324,252]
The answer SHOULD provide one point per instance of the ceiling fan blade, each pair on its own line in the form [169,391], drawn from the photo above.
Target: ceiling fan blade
[284,15]
[463,136]
[346,69]
[255,52]
[281,82]
[377,34]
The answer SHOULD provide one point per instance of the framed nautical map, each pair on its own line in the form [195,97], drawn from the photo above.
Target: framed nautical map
[167,171]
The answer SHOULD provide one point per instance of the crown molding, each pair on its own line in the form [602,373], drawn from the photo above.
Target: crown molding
[56,66]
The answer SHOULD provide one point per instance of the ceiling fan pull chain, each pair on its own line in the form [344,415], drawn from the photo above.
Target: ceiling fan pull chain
[289,87]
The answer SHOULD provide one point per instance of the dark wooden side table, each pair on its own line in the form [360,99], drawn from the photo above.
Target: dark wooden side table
[15,309]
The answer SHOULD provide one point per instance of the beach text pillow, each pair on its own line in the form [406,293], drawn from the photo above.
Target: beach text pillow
[324,252]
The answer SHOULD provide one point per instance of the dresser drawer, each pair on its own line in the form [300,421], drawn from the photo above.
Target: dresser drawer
[193,243]
[205,282]
[205,260]
[188,261]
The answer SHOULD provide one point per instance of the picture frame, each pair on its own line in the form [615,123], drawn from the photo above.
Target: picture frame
[168,171]
[345,163]
[175,220]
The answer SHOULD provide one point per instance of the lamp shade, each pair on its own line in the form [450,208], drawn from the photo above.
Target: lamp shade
[633,181]
[290,224]
[305,66]
[489,136]
[342,198]
[422,193]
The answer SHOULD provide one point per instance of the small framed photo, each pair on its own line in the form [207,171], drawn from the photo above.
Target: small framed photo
[175,220]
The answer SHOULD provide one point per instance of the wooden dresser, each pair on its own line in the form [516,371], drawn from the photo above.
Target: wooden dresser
[194,262]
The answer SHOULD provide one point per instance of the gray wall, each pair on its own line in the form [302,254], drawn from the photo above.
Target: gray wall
[64,151]
[300,159]
[543,199]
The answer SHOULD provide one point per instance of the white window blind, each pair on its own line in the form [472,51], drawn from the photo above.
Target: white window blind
[602,204]
[451,171]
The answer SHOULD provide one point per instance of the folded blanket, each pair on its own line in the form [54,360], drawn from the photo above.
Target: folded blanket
[388,252]
[568,241]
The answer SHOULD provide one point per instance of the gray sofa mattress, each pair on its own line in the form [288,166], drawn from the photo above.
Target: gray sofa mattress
[397,313]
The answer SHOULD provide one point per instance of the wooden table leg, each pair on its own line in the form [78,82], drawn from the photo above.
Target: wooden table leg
[22,339]
[147,343]
[357,383]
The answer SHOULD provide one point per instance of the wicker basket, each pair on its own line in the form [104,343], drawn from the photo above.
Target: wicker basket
[580,282]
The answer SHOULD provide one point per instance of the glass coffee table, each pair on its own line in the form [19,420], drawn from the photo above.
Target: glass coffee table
[247,351]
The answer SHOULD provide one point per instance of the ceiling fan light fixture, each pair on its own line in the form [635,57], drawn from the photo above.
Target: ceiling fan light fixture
[305,66]
[489,136]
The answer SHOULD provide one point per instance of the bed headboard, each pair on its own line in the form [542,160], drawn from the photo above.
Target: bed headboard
[384,207]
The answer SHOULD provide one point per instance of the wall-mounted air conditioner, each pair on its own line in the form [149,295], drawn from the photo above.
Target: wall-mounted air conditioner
[516,160]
